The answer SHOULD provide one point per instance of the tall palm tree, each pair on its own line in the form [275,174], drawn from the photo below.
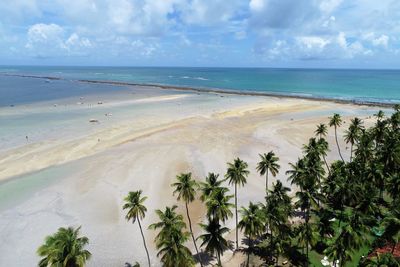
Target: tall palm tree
[323,148]
[392,228]
[64,248]
[380,115]
[219,205]
[305,202]
[236,175]
[172,250]
[169,219]
[340,247]
[336,121]
[297,173]
[268,163]
[208,187]
[213,238]
[171,238]
[321,130]
[185,188]
[252,223]
[351,135]
[136,212]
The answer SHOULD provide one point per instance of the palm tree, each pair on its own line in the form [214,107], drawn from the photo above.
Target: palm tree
[136,212]
[171,237]
[336,121]
[392,228]
[347,240]
[305,202]
[169,219]
[236,174]
[185,188]
[297,173]
[208,187]
[64,248]
[351,135]
[252,223]
[268,163]
[172,251]
[321,130]
[323,148]
[213,238]
[380,115]
[218,205]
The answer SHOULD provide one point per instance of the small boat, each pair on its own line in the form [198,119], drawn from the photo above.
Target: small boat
[93,120]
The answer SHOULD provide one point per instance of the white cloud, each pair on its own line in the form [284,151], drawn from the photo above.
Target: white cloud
[312,42]
[381,41]
[41,34]
[47,40]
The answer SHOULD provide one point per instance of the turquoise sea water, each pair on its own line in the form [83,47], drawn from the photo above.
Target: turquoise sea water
[358,85]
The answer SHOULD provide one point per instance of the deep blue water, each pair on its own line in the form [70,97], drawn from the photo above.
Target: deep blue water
[362,85]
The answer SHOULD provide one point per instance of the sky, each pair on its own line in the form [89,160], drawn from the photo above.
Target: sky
[214,33]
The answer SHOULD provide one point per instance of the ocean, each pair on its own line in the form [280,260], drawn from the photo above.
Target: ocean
[381,86]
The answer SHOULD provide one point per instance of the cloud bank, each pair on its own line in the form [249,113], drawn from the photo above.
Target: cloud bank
[308,33]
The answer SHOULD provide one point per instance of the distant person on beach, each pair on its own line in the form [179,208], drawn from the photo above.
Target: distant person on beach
[27,139]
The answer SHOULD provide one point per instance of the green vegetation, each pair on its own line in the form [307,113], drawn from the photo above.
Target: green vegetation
[343,210]
[65,249]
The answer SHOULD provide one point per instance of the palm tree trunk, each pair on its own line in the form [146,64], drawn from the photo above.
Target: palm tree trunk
[394,246]
[236,213]
[266,183]
[341,215]
[144,242]
[219,259]
[307,232]
[326,164]
[337,143]
[351,152]
[248,252]
[191,232]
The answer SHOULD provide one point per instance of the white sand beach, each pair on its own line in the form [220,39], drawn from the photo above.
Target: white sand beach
[72,172]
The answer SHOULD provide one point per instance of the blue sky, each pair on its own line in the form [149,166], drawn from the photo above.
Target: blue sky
[229,33]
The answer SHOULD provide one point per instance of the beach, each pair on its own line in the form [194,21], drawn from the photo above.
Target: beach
[71,161]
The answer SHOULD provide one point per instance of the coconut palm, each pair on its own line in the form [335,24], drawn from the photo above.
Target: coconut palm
[305,202]
[252,223]
[323,148]
[185,188]
[136,212]
[219,205]
[379,115]
[171,238]
[297,173]
[351,135]
[172,251]
[321,130]
[236,175]
[336,121]
[340,247]
[65,249]
[268,163]
[391,223]
[169,219]
[213,239]
[208,187]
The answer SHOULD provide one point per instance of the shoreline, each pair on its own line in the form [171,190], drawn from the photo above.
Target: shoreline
[215,90]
